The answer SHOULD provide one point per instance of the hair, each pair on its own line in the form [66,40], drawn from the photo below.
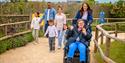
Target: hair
[82,10]
[80,20]
[59,7]
[51,21]
[38,14]
[48,2]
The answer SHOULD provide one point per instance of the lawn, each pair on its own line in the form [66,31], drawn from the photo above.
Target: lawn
[117,52]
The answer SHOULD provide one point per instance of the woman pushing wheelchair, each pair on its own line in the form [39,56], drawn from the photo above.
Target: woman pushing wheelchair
[79,35]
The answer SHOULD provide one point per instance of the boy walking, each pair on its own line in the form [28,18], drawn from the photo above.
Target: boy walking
[52,33]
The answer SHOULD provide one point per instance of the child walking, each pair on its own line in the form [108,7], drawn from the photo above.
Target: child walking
[35,26]
[52,33]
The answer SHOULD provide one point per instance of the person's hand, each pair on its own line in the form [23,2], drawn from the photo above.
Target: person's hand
[84,31]
[56,36]
[31,27]
[71,27]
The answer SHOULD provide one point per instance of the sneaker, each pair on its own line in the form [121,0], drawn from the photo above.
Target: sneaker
[59,47]
[69,60]
[53,51]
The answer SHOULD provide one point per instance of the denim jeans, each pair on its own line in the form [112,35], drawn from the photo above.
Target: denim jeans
[82,49]
[46,26]
[51,43]
[60,38]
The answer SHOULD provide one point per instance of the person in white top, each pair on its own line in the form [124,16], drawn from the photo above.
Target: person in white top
[35,26]
[60,20]
[52,33]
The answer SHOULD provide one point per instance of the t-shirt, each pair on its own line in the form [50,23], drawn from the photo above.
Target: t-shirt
[51,31]
[60,21]
[35,23]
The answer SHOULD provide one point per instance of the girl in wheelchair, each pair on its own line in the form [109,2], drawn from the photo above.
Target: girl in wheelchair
[77,38]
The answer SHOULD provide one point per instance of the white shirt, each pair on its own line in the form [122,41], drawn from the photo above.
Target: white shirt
[35,23]
[84,17]
[48,14]
[60,20]
[52,31]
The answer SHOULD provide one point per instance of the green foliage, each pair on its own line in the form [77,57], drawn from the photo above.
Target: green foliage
[118,10]
[41,33]
[15,42]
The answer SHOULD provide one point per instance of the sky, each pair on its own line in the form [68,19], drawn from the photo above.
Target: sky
[100,1]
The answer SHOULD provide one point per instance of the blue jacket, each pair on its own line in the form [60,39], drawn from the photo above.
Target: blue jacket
[79,16]
[71,36]
[51,14]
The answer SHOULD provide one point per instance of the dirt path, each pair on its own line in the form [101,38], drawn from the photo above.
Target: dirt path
[32,53]
[38,53]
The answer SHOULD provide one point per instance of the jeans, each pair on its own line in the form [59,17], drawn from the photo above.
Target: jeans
[51,43]
[35,34]
[82,49]
[46,26]
[60,35]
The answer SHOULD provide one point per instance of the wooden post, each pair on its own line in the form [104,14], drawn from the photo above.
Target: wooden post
[96,38]
[107,20]
[116,30]
[107,46]
[6,30]
[26,26]
[101,37]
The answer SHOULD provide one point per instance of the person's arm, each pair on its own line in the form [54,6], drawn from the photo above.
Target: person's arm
[64,22]
[76,18]
[56,32]
[90,18]
[47,31]
[55,20]
[54,12]
[43,17]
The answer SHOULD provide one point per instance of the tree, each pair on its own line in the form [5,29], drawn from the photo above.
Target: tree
[118,10]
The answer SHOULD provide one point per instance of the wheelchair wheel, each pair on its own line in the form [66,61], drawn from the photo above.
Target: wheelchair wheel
[64,56]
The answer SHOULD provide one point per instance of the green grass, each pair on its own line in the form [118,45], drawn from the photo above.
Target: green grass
[117,52]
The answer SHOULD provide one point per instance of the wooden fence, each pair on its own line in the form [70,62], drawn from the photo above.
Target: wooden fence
[27,24]
[105,33]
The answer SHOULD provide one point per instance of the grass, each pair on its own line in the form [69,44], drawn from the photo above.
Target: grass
[117,52]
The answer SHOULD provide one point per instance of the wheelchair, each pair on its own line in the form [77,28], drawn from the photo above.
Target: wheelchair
[75,59]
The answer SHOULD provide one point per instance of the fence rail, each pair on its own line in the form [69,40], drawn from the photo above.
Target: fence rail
[105,33]
[28,22]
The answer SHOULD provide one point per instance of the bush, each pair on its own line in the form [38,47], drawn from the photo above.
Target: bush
[15,42]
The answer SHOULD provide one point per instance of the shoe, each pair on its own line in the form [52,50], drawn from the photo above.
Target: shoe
[53,51]
[82,62]
[59,47]
[69,60]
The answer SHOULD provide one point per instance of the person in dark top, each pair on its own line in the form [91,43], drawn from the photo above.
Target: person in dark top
[85,13]
[77,37]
